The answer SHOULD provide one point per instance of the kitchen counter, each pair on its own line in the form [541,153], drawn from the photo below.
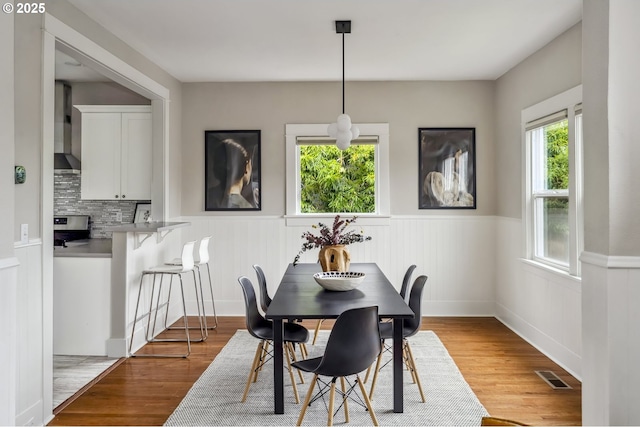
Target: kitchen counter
[147,227]
[90,248]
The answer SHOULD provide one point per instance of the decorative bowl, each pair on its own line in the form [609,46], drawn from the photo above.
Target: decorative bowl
[339,281]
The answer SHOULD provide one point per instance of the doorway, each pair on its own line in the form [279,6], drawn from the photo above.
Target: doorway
[59,36]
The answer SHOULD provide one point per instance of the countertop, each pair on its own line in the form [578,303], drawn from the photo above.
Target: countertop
[94,248]
[147,227]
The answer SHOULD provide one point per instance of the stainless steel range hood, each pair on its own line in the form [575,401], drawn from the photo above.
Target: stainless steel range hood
[63,160]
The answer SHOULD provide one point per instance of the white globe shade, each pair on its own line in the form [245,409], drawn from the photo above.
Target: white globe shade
[355,131]
[332,130]
[343,143]
[344,122]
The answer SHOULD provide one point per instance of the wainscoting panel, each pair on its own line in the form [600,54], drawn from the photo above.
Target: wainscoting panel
[543,307]
[29,395]
[457,253]
[8,339]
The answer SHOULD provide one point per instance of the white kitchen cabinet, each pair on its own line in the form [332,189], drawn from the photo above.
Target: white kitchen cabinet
[116,152]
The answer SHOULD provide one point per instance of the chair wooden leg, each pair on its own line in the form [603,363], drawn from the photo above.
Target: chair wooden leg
[315,333]
[332,395]
[263,357]
[252,371]
[375,374]
[293,357]
[415,370]
[307,399]
[407,362]
[372,414]
[366,377]
[345,401]
[293,380]
[265,350]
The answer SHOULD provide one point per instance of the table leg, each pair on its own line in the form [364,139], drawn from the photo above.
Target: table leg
[398,398]
[278,361]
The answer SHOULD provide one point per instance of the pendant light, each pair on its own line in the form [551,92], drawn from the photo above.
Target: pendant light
[342,130]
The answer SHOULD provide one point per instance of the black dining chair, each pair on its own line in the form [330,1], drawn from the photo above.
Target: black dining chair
[410,327]
[262,329]
[265,301]
[353,345]
[406,280]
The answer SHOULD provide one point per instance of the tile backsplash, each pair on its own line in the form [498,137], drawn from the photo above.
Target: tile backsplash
[104,213]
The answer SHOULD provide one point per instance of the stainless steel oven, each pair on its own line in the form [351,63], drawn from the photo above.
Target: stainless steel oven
[71,230]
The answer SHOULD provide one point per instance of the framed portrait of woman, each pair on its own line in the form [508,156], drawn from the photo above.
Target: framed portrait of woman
[232,170]
[447,169]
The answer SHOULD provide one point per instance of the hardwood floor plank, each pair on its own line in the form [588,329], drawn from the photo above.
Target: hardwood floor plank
[498,365]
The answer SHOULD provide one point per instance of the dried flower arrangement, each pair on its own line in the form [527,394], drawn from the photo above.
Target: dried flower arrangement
[336,235]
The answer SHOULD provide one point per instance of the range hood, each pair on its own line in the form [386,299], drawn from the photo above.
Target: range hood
[63,160]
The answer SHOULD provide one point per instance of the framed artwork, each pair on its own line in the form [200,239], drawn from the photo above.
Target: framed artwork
[447,169]
[232,170]
[142,212]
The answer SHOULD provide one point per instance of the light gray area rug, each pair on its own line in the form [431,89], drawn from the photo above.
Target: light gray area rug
[214,400]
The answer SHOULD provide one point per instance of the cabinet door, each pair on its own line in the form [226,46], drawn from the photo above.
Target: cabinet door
[101,136]
[136,156]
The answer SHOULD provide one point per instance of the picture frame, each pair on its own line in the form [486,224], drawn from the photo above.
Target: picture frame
[447,168]
[232,170]
[142,213]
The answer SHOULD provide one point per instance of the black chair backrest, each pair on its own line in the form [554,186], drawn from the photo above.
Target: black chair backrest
[257,325]
[265,299]
[354,343]
[405,281]
[412,326]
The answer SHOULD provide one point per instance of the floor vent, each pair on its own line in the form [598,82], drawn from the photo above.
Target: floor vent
[553,380]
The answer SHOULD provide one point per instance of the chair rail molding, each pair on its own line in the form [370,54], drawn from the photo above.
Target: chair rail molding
[610,261]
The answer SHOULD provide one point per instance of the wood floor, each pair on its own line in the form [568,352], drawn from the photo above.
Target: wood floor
[498,365]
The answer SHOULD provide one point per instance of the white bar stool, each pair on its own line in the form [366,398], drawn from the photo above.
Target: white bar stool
[203,260]
[187,265]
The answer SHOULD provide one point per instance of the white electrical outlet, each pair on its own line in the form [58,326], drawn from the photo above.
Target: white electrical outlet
[24,233]
[119,216]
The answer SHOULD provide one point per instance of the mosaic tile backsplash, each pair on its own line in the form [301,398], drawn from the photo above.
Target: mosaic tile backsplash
[104,213]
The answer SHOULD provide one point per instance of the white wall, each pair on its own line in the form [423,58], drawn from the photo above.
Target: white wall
[541,306]
[611,261]
[30,395]
[8,264]
[8,340]
[456,253]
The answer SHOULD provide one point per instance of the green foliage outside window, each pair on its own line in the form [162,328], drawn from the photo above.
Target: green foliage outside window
[335,181]
[557,209]
[557,136]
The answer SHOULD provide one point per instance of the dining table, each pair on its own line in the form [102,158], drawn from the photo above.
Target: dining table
[300,297]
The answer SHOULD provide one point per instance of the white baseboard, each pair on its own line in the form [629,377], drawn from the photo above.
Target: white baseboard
[567,359]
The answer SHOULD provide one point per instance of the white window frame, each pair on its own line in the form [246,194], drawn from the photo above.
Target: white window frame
[569,101]
[296,132]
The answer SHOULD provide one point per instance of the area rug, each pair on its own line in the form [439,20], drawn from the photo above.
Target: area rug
[214,399]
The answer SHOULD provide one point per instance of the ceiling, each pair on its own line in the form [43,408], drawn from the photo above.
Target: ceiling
[295,40]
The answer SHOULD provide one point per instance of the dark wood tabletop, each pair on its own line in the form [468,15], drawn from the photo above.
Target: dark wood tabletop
[299,296]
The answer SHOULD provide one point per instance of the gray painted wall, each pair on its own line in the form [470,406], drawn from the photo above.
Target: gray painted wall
[406,106]
[28,59]
[6,136]
[548,72]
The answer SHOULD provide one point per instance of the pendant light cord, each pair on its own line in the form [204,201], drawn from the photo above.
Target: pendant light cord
[342,73]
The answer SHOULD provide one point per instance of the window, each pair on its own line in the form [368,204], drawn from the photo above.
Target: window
[323,180]
[553,205]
